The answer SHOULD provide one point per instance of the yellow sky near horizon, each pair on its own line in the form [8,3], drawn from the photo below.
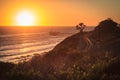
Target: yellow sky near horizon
[60,12]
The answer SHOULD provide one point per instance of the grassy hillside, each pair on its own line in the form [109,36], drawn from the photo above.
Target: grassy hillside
[71,60]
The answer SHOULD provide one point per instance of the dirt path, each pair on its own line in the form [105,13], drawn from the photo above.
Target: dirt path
[89,43]
[85,43]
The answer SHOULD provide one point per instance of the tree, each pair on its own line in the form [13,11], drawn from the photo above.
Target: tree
[80,27]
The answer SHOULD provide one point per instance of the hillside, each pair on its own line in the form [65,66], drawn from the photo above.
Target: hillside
[93,55]
[105,36]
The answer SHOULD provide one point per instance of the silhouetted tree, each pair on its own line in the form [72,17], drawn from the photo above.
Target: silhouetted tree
[80,27]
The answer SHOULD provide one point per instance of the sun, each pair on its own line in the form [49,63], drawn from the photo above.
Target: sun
[25,18]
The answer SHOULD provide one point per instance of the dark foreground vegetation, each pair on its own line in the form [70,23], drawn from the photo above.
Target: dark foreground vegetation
[70,61]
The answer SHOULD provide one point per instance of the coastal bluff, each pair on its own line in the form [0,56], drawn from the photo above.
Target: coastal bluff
[104,37]
[93,55]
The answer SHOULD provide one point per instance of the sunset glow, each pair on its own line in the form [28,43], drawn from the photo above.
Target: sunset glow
[25,18]
[57,12]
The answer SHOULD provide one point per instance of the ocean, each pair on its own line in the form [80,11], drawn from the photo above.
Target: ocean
[20,43]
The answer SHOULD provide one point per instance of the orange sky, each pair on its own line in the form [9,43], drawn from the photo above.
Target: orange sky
[60,12]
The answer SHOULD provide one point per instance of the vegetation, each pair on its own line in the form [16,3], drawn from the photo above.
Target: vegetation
[80,66]
[80,27]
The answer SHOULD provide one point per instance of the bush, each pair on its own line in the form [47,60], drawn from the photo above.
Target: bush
[105,70]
